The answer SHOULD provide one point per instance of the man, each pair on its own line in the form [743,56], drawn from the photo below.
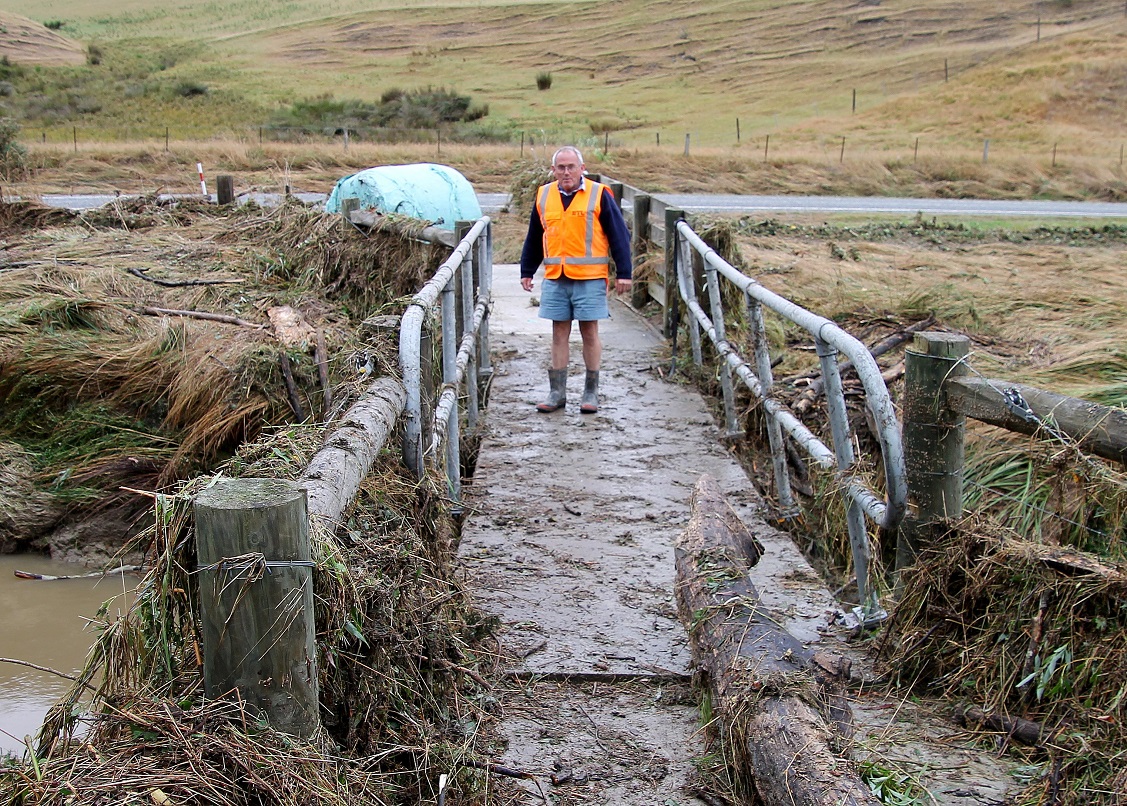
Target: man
[575,229]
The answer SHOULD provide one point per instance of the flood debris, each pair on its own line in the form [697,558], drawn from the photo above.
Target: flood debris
[780,711]
[168,403]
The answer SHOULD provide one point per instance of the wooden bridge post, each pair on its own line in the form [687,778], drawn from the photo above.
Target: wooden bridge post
[639,237]
[616,189]
[672,297]
[224,189]
[256,597]
[933,440]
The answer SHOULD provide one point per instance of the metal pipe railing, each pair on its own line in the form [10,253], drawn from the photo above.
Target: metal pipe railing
[459,350]
[829,340]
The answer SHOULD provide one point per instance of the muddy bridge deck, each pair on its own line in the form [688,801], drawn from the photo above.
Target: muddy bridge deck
[570,544]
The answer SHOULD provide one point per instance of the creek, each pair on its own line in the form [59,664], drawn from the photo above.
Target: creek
[45,622]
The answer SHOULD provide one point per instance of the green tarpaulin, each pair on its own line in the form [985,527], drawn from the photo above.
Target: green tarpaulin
[435,193]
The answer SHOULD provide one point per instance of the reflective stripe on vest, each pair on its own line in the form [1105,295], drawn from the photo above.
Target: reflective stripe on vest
[563,254]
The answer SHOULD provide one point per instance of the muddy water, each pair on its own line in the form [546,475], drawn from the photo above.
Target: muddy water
[43,622]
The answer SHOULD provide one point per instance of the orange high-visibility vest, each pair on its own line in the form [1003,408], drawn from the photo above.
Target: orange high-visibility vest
[575,245]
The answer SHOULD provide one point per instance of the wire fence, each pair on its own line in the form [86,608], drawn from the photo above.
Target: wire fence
[768,148]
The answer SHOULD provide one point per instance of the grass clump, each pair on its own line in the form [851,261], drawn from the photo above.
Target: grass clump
[543,81]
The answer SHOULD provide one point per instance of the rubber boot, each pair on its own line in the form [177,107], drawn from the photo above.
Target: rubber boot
[589,403]
[557,391]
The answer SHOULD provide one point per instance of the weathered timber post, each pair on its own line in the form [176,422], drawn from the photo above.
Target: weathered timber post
[615,189]
[256,597]
[672,298]
[639,237]
[933,439]
[225,189]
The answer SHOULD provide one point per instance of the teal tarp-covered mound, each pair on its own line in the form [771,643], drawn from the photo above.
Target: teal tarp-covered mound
[435,193]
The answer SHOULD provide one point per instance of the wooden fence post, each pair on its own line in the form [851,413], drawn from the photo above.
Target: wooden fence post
[933,440]
[224,189]
[257,611]
[639,237]
[672,297]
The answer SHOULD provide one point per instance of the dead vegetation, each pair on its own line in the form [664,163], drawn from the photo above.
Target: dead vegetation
[102,394]
[1010,629]
[107,400]
[401,701]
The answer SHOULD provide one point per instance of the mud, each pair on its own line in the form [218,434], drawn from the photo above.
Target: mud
[570,544]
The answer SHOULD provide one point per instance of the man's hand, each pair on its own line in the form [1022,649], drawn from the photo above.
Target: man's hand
[526,283]
[622,286]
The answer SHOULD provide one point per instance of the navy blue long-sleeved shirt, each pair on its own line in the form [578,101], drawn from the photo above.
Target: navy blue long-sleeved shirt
[610,219]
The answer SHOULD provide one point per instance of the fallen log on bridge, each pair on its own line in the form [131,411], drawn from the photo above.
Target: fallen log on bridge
[778,705]
[335,473]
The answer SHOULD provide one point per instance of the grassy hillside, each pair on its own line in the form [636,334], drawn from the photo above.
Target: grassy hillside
[1022,73]
[26,41]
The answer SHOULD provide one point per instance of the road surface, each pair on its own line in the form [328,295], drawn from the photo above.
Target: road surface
[724,203]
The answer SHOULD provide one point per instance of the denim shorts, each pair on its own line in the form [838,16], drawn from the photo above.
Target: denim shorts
[563,300]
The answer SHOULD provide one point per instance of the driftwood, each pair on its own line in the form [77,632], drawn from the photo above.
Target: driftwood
[291,388]
[179,283]
[1019,730]
[333,476]
[290,327]
[150,310]
[806,400]
[779,706]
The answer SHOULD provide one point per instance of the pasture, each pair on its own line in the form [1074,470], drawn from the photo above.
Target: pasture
[1024,75]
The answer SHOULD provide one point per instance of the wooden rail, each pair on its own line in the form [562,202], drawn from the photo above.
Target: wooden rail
[940,391]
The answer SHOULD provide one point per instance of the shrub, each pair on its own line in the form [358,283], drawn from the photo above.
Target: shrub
[54,25]
[543,81]
[397,108]
[190,89]
[94,55]
[9,70]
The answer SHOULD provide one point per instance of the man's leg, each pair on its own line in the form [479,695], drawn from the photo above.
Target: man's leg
[592,358]
[557,373]
[561,347]
[592,346]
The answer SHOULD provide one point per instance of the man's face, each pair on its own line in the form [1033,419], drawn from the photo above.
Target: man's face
[568,171]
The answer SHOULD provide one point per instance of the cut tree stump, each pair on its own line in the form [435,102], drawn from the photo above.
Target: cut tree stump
[779,706]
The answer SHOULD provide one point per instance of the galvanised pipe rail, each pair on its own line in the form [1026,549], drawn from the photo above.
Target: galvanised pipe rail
[829,339]
[441,285]
[449,397]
